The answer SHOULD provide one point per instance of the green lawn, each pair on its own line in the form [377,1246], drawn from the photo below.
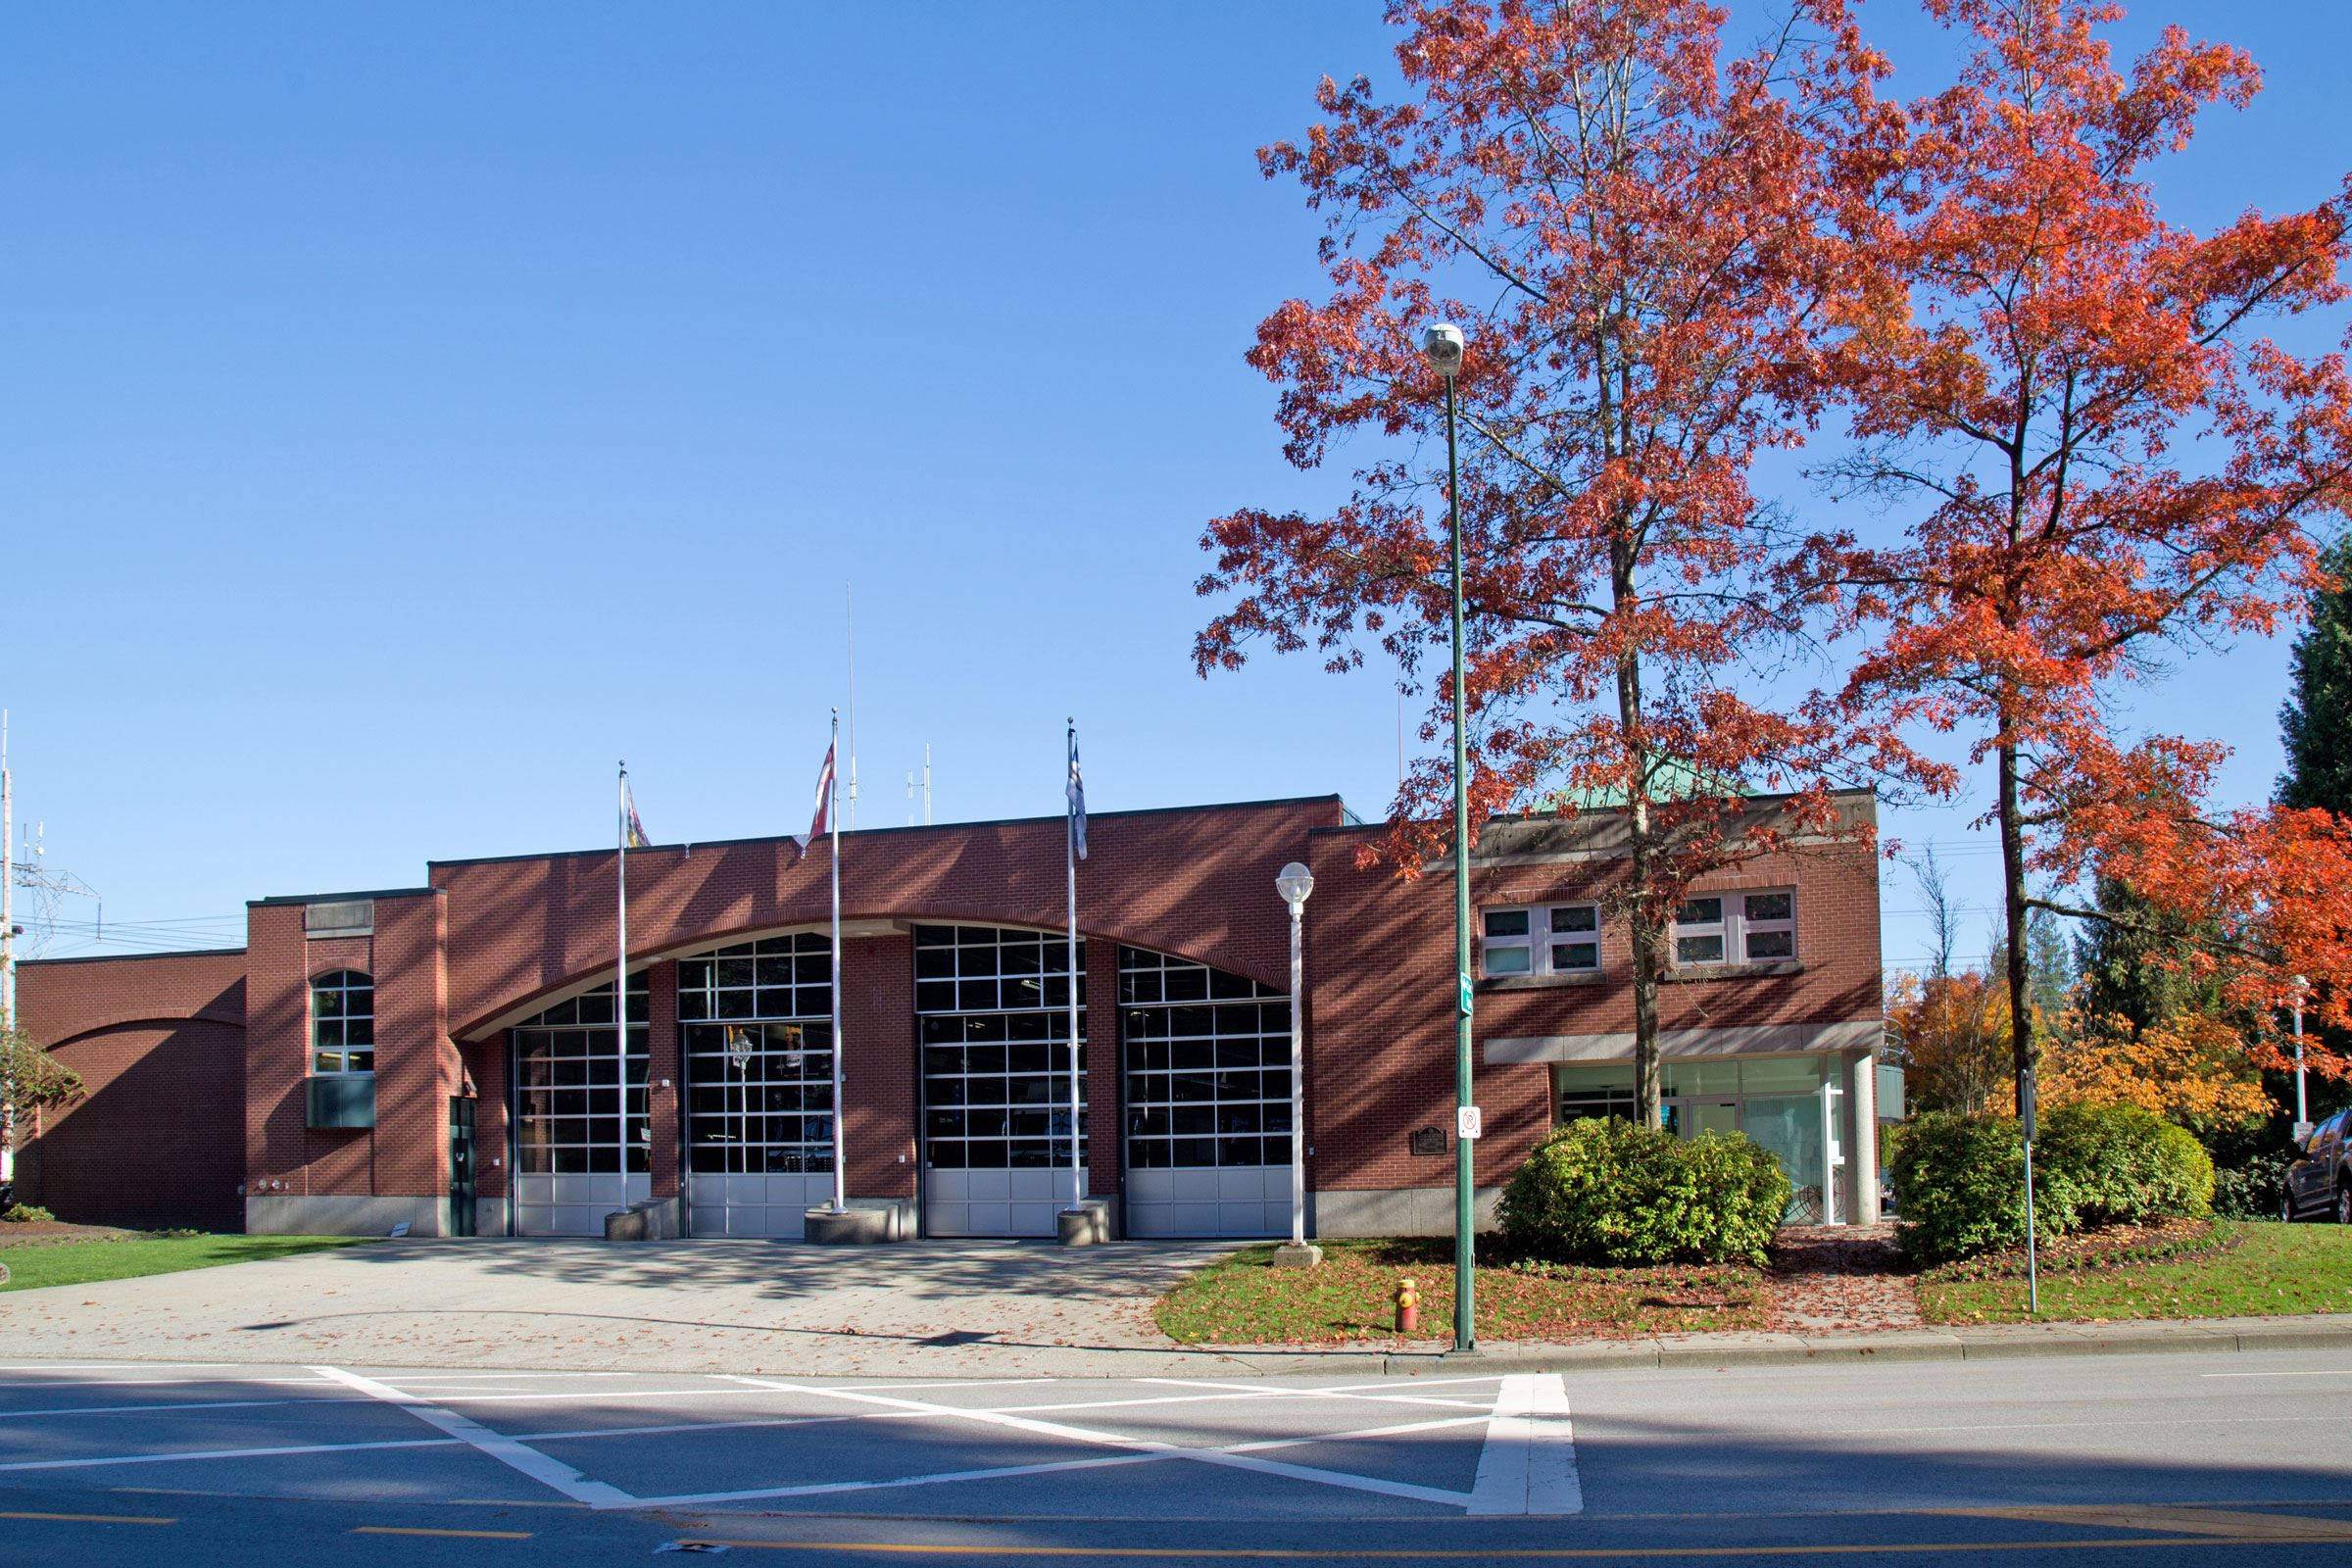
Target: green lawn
[38,1263]
[2270,1268]
[1243,1300]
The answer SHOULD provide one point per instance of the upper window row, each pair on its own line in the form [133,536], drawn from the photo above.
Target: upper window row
[1734,928]
[1709,929]
[1542,939]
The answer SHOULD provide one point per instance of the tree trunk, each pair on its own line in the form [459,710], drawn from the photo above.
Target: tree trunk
[1649,935]
[1645,919]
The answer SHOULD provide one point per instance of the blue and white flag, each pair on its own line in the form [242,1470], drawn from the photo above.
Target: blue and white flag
[1077,793]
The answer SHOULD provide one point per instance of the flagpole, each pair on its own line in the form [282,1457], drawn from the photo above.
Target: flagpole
[620,972]
[1069,835]
[840,1189]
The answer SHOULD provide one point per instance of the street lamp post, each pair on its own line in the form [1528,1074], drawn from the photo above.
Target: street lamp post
[2302,1111]
[1442,343]
[1293,885]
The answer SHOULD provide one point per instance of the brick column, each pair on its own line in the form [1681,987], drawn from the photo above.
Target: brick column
[412,1080]
[1106,1115]
[663,1063]
[880,1065]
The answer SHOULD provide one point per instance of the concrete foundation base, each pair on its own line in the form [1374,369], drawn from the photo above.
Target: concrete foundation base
[1082,1226]
[331,1214]
[1297,1255]
[654,1219]
[1391,1210]
[850,1227]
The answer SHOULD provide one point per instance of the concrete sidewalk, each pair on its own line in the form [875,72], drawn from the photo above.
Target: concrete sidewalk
[943,1309]
[923,1310]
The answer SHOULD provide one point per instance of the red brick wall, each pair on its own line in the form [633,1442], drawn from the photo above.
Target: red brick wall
[1106,1061]
[1198,883]
[417,1068]
[1380,979]
[498,936]
[664,1060]
[159,1042]
[880,1065]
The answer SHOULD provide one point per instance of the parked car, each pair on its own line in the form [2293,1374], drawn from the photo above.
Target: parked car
[2320,1182]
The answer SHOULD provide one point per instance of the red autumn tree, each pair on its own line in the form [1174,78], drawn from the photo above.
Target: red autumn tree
[2109,464]
[1643,242]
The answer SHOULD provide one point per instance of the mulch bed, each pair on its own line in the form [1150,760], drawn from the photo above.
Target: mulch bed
[34,1232]
[1348,1298]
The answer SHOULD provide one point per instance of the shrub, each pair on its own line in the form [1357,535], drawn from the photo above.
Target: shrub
[2252,1190]
[1959,1181]
[1959,1186]
[1613,1192]
[26,1214]
[2121,1165]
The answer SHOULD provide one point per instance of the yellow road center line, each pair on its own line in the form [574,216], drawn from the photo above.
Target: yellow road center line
[93,1518]
[419,1529]
[1465,1555]
[2158,1518]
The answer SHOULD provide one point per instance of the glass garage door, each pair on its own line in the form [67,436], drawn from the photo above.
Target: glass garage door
[992,1008]
[754,1027]
[568,1134]
[1208,1099]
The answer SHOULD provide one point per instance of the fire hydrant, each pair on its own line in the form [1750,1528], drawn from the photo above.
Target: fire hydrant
[1409,1308]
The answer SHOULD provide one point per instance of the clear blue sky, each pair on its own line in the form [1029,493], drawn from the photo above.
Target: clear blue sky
[406,412]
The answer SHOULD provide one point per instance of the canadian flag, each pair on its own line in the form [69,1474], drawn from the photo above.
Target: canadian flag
[824,802]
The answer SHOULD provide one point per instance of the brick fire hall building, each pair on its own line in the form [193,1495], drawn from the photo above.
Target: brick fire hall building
[445,1056]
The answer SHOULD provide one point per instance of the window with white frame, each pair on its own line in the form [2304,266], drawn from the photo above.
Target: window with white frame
[343,1022]
[1540,939]
[1718,928]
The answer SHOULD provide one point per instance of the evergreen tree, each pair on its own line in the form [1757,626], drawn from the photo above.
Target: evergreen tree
[2049,967]
[2316,720]
[2131,970]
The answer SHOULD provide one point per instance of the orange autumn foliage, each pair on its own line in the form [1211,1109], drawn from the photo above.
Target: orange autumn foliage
[2105,462]
[1640,236]
[1951,1032]
[2190,1068]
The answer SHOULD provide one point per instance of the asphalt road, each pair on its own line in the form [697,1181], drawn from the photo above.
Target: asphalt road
[2183,1459]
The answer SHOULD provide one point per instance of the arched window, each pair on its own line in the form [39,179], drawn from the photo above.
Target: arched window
[343,1022]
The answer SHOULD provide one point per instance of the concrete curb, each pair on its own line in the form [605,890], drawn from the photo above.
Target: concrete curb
[2005,1342]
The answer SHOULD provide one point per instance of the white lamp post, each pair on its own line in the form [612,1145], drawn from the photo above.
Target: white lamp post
[2302,1111]
[1293,885]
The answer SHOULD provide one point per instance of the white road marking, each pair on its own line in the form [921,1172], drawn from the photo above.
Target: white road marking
[225,1453]
[998,1473]
[2319,1372]
[1528,1465]
[1137,1447]
[1349,1437]
[163,1382]
[460,1397]
[553,1474]
[966,1383]
[558,1434]
[1264,1393]
[1369,1389]
[7,1416]
[108,1366]
[1140,1451]
[499,1377]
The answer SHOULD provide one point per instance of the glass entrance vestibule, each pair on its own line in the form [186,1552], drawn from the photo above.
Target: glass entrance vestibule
[1793,1105]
